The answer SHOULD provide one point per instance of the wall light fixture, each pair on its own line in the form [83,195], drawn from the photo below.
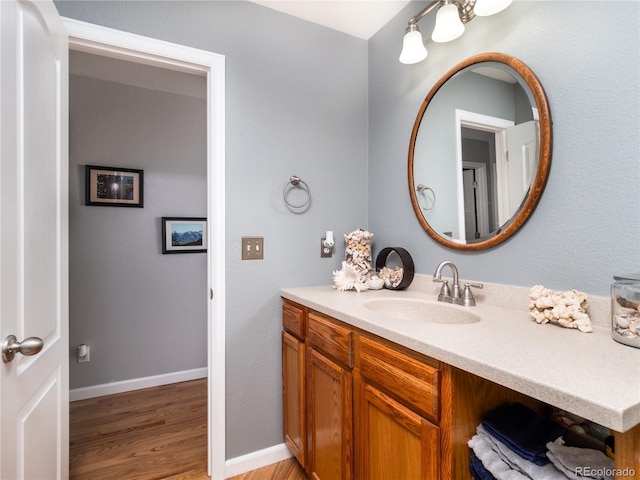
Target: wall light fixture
[451,17]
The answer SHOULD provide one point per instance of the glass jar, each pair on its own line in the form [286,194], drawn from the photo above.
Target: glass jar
[625,309]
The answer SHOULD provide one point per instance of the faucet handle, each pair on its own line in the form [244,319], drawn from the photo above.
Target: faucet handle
[445,291]
[467,294]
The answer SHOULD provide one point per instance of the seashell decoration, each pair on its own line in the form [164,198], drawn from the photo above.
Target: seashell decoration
[357,264]
[567,309]
[348,278]
[392,276]
[358,250]
[627,319]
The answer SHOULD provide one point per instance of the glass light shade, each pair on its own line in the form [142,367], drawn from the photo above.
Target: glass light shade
[448,25]
[484,8]
[413,50]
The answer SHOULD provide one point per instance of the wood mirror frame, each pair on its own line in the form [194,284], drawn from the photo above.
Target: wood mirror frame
[544,161]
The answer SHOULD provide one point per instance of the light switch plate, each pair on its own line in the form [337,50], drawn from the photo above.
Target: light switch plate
[252,248]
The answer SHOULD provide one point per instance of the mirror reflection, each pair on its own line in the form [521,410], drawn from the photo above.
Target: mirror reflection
[476,161]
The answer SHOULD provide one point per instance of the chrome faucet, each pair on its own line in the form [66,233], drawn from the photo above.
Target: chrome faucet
[446,295]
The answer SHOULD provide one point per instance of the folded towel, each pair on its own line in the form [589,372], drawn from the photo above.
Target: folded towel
[492,461]
[580,463]
[478,471]
[522,465]
[523,431]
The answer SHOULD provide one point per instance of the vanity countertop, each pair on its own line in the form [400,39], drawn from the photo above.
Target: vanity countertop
[588,374]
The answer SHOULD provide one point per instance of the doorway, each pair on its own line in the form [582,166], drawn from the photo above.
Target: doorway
[476,201]
[480,140]
[111,43]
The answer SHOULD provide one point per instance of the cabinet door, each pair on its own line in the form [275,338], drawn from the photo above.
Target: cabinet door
[330,419]
[394,441]
[293,395]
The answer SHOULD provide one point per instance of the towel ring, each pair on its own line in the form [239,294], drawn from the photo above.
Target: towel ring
[295,181]
[420,189]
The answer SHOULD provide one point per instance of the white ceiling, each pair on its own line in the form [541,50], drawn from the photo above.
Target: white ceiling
[360,18]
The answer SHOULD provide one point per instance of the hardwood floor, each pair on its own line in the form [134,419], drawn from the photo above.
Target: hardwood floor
[151,434]
[154,433]
[287,470]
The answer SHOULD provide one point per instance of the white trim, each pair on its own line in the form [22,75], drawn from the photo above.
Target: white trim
[255,460]
[93,391]
[498,127]
[87,37]
[114,43]
[216,272]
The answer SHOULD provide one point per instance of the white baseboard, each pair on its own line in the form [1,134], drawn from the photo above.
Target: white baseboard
[254,460]
[136,384]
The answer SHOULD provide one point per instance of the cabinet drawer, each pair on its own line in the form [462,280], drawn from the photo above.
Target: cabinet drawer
[334,341]
[412,382]
[293,319]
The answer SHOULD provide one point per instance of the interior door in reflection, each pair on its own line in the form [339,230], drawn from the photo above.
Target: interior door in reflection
[521,165]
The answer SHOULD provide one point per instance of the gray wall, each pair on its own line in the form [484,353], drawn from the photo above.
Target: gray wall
[586,227]
[296,104]
[305,100]
[143,313]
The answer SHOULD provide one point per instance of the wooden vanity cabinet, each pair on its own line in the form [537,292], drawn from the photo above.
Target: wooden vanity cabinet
[330,419]
[317,392]
[392,426]
[293,394]
[397,412]
[293,380]
[359,406]
[330,399]
[393,441]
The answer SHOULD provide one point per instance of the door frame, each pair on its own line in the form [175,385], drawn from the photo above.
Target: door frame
[96,39]
[486,123]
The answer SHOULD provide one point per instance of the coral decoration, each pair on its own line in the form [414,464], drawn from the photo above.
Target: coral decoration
[567,309]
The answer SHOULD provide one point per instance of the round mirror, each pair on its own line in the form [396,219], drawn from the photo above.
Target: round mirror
[480,152]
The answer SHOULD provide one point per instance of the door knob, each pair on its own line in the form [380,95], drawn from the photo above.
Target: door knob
[11,346]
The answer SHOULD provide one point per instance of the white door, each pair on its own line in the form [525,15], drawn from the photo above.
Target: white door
[34,398]
[522,151]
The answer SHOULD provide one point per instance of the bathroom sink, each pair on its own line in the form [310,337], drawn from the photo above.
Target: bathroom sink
[422,310]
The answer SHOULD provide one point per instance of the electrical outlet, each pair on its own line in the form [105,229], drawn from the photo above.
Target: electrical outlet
[252,248]
[325,252]
[87,354]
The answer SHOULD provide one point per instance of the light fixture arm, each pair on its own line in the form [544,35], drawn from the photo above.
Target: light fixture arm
[423,13]
[465,11]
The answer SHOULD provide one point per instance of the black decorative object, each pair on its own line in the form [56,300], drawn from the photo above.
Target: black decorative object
[407,266]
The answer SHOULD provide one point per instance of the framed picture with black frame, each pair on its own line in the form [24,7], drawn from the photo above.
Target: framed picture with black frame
[184,235]
[114,186]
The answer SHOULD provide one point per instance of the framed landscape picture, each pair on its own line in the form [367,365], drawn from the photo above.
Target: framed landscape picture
[114,187]
[184,235]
